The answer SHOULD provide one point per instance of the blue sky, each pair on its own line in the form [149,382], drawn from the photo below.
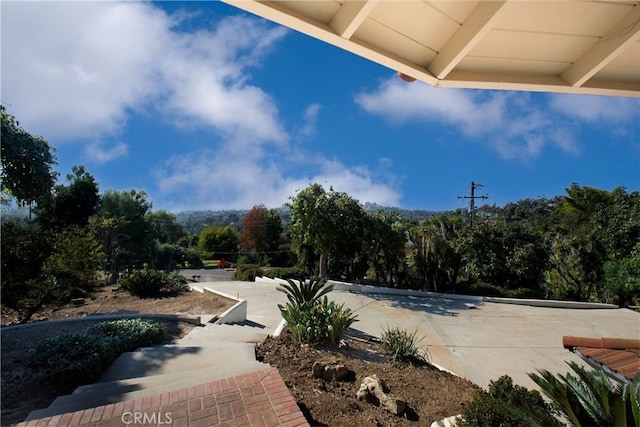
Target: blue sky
[206,107]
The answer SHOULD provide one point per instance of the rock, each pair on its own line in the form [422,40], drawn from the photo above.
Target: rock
[330,371]
[372,390]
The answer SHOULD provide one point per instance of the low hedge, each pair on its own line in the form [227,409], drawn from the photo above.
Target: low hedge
[76,359]
[285,273]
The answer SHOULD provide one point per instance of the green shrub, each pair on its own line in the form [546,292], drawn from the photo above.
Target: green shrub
[589,398]
[129,334]
[322,322]
[176,283]
[247,272]
[485,289]
[507,405]
[524,293]
[311,316]
[143,283]
[148,283]
[71,359]
[285,273]
[402,345]
[76,359]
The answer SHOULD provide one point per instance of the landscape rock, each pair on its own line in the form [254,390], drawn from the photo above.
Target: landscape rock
[330,371]
[372,390]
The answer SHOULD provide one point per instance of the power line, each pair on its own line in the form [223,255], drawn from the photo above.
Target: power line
[472,200]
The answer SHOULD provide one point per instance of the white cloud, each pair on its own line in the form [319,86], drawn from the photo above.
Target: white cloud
[310,120]
[510,122]
[74,70]
[96,152]
[215,180]
[596,108]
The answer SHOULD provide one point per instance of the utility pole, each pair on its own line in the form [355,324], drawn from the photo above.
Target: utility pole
[472,200]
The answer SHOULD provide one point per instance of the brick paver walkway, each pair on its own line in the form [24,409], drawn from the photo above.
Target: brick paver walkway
[258,398]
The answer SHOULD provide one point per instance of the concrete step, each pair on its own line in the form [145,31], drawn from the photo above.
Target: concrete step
[99,394]
[177,358]
[237,333]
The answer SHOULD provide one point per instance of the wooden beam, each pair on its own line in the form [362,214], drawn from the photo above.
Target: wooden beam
[350,16]
[472,30]
[605,50]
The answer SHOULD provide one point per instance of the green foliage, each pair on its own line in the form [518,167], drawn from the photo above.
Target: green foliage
[129,334]
[329,225]
[76,359]
[24,251]
[123,230]
[27,163]
[148,283]
[385,241]
[305,293]
[75,258]
[164,227]
[589,398]
[509,255]
[508,405]
[72,204]
[483,289]
[218,240]
[402,345]
[622,280]
[247,272]
[323,322]
[311,316]
[436,253]
[285,273]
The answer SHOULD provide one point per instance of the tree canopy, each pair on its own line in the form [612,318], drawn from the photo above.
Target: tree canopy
[27,163]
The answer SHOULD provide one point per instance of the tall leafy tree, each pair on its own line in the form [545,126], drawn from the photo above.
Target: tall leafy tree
[385,245]
[165,227]
[27,163]
[123,229]
[71,204]
[436,251]
[330,223]
[222,241]
[253,237]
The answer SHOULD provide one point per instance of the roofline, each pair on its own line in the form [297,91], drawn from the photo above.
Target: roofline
[339,34]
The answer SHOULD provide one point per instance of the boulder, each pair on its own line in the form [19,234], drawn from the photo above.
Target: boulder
[330,371]
[372,390]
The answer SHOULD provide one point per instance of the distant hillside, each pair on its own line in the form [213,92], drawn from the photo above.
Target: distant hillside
[195,221]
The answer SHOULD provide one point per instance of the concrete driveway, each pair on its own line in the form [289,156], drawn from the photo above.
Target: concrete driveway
[477,340]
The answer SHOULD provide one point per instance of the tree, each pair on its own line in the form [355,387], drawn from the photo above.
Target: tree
[253,237]
[509,255]
[436,253]
[330,223]
[75,258]
[385,245]
[165,228]
[71,204]
[27,163]
[219,240]
[123,229]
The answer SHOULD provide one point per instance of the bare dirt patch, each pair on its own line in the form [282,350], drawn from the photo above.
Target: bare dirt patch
[21,393]
[430,394]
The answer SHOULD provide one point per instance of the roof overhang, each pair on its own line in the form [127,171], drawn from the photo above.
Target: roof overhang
[581,47]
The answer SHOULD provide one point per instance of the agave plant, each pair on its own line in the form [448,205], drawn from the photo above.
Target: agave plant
[304,294]
[590,399]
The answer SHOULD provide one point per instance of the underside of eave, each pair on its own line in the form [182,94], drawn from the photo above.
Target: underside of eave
[579,78]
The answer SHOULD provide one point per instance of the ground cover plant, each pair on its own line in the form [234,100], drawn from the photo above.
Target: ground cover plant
[76,359]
